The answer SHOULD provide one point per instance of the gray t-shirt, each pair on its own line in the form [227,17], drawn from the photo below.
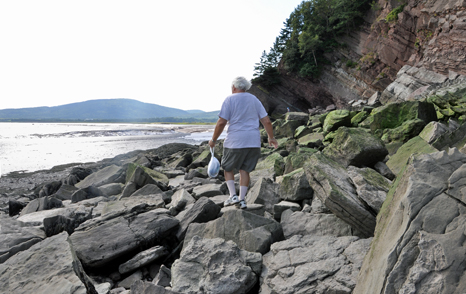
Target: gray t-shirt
[243,112]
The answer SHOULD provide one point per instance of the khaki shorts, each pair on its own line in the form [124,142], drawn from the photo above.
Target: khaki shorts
[240,159]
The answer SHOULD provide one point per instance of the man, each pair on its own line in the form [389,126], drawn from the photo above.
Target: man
[241,149]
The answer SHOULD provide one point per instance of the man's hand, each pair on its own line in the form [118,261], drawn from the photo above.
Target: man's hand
[274,142]
[212,143]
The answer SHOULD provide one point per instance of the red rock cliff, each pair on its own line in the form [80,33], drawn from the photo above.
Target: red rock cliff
[426,34]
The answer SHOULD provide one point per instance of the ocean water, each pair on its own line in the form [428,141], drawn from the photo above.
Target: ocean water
[38,146]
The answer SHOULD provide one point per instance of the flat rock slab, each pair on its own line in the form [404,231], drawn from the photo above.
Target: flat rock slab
[104,241]
[313,264]
[45,268]
[16,237]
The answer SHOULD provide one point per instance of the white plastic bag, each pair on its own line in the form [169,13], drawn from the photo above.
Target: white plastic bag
[214,165]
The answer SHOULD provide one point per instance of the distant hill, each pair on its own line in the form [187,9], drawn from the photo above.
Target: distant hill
[107,110]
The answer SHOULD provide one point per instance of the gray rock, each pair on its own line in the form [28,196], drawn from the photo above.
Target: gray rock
[142,258]
[257,209]
[164,277]
[335,189]
[104,240]
[142,176]
[128,281]
[111,189]
[264,192]
[47,267]
[149,189]
[372,187]
[15,206]
[294,186]
[43,203]
[203,210]
[302,223]
[418,245]
[141,287]
[15,236]
[313,264]
[384,170]
[213,266]
[47,189]
[208,190]
[432,131]
[133,204]
[249,231]
[280,207]
[65,192]
[86,193]
[181,198]
[107,175]
[196,173]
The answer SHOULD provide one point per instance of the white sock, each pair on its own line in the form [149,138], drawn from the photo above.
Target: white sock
[243,190]
[231,187]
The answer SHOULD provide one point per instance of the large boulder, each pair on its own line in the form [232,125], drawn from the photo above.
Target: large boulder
[419,239]
[43,203]
[264,192]
[313,264]
[294,186]
[107,175]
[336,119]
[16,236]
[249,231]
[203,210]
[215,266]
[393,115]
[332,184]
[142,176]
[315,224]
[47,267]
[273,162]
[355,146]
[104,240]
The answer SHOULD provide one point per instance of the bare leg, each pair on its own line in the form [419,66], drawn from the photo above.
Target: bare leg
[229,175]
[243,178]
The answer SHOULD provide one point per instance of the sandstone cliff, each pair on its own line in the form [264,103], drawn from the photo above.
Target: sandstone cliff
[426,35]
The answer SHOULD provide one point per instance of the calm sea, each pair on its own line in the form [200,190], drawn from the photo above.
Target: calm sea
[37,146]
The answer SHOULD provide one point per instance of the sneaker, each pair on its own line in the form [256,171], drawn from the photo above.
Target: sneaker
[231,200]
[242,204]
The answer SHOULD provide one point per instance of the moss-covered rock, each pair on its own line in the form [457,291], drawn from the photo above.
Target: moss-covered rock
[312,140]
[356,146]
[358,118]
[414,146]
[294,186]
[296,160]
[286,129]
[273,162]
[336,119]
[393,115]
[403,133]
[302,131]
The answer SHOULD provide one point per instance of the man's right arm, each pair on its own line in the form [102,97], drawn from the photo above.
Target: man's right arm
[269,129]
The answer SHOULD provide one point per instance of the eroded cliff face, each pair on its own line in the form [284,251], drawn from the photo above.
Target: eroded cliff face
[426,34]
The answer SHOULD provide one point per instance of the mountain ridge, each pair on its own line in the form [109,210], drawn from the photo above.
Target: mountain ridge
[104,109]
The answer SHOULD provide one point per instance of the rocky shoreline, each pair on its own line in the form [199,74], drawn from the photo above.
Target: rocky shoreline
[352,200]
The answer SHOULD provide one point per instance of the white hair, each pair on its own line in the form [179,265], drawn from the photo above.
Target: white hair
[241,83]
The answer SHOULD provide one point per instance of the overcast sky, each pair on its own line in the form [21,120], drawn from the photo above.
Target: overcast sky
[180,54]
